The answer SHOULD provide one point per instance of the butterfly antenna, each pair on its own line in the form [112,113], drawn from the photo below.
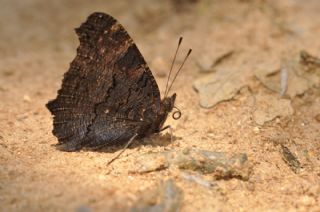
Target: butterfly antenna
[174,59]
[189,52]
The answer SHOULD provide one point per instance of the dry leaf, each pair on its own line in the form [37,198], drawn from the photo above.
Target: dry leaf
[270,107]
[290,159]
[300,74]
[208,61]
[217,87]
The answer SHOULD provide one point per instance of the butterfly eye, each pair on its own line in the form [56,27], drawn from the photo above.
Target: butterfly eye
[176,114]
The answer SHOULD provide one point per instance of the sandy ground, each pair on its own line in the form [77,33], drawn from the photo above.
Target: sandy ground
[37,43]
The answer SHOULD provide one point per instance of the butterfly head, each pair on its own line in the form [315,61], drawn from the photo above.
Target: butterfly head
[168,102]
[168,105]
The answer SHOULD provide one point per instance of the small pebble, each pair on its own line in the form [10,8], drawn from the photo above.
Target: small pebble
[102,177]
[220,165]
[256,130]
[26,98]
[307,200]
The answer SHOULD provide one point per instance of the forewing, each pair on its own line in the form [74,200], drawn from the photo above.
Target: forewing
[107,81]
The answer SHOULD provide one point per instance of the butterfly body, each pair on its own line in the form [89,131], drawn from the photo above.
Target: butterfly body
[109,94]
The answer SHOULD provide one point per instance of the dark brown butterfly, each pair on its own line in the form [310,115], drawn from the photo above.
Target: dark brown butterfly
[108,95]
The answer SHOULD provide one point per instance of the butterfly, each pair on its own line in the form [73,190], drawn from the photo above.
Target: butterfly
[109,95]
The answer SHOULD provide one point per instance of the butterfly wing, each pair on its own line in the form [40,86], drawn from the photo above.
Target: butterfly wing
[108,94]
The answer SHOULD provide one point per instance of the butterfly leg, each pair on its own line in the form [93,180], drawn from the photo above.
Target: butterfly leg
[124,148]
[170,131]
